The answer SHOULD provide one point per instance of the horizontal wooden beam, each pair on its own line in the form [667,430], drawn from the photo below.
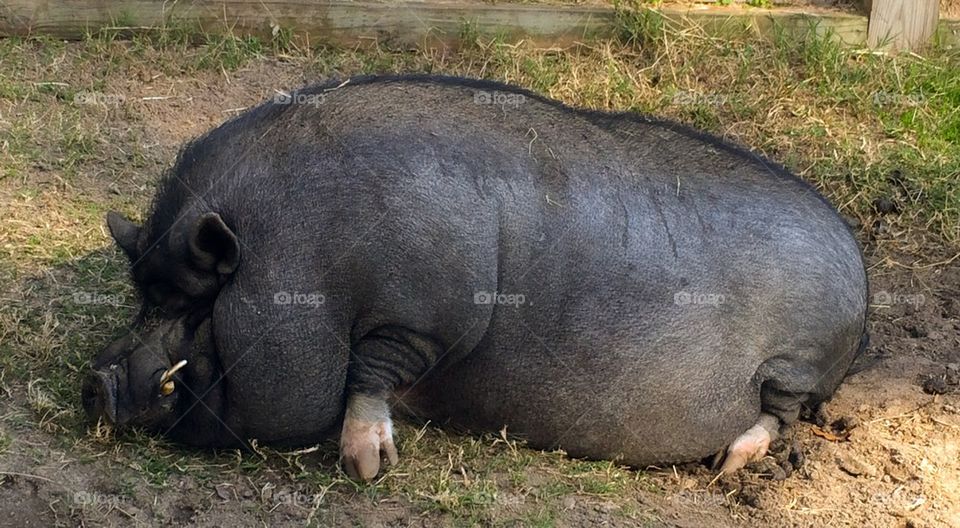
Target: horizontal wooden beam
[401,22]
[848,28]
[335,21]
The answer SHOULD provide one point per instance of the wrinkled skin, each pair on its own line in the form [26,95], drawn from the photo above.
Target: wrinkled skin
[680,296]
[125,386]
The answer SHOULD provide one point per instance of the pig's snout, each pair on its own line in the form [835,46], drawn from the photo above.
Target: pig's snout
[100,396]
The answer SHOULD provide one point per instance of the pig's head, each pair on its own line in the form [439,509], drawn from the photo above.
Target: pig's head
[156,375]
[177,260]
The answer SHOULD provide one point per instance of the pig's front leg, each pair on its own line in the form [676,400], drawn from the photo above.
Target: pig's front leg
[367,434]
[378,365]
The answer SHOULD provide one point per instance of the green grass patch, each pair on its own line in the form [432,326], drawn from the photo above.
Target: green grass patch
[5,442]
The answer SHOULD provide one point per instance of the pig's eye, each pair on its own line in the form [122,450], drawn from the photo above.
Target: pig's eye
[164,296]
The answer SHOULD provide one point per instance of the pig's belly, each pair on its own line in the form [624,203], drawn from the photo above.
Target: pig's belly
[639,408]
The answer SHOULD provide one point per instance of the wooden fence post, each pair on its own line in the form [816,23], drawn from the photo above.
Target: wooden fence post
[902,24]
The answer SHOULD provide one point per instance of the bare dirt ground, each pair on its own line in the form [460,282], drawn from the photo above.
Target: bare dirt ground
[884,452]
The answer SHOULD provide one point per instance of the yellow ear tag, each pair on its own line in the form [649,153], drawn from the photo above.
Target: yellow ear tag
[167,388]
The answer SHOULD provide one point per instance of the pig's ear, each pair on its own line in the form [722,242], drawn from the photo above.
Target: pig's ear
[125,233]
[213,245]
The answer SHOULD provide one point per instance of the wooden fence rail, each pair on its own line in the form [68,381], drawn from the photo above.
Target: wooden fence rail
[410,22]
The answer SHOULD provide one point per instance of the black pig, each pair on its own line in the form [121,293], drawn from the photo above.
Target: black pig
[468,252]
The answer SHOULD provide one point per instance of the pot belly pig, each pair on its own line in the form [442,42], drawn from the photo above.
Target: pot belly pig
[468,252]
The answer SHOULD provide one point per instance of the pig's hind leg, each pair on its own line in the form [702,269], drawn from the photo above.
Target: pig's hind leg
[786,385]
[751,445]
